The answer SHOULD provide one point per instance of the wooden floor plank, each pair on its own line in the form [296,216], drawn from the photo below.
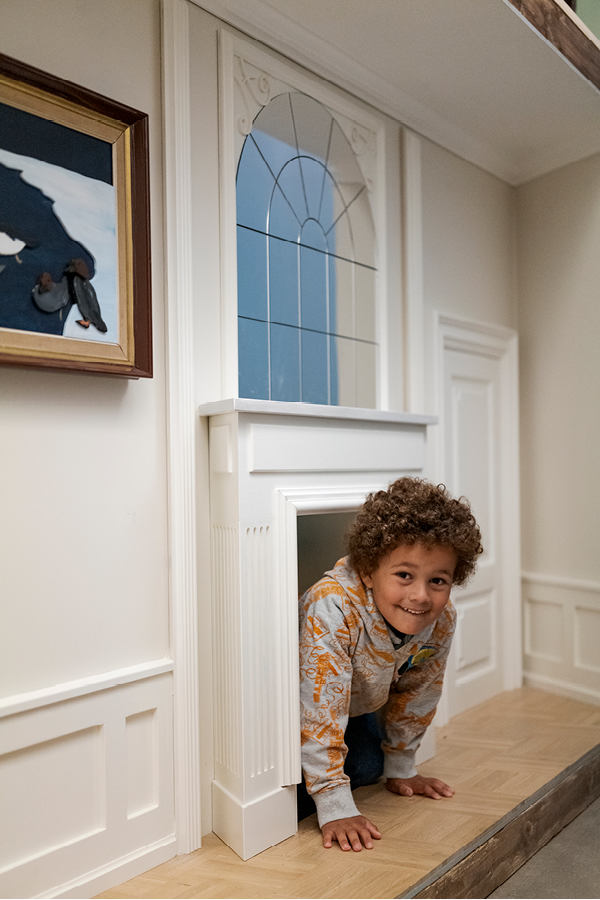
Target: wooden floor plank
[479,868]
[495,756]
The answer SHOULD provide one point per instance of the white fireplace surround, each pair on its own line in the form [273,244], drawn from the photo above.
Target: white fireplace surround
[269,463]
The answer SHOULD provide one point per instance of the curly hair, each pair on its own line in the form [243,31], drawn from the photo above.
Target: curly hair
[413,511]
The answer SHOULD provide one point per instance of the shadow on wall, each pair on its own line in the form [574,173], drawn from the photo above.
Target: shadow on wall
[321,542]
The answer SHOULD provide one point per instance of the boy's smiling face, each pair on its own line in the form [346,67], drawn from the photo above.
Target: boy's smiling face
[411,585]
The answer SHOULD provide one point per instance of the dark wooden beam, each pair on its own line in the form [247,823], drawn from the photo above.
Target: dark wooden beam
[556,25]
[484,864]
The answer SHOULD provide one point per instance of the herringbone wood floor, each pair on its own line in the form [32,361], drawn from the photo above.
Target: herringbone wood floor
[494,756]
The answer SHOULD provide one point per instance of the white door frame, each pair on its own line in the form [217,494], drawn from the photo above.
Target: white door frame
[501,344]
[181,413]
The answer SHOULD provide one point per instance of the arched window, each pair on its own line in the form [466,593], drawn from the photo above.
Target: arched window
[306,260]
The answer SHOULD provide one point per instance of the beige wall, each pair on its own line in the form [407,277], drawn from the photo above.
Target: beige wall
[468,239]
[83,525]
[559,322]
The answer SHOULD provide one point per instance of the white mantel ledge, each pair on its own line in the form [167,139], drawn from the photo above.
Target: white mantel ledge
[315,410]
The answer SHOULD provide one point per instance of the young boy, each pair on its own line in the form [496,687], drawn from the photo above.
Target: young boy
[374,639]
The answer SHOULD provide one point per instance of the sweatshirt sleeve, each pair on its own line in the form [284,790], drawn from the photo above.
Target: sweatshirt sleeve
[413,699]
[327,634]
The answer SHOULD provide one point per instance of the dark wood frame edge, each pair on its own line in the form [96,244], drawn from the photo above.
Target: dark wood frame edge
[484,864]
[559,29]
[137,122]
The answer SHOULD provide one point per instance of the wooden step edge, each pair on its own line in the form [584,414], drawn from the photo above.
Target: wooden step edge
[484,864]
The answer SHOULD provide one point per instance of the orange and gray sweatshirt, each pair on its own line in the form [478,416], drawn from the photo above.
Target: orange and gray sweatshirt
[351,663]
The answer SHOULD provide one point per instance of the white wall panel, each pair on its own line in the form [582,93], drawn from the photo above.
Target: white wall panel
[141,738]
[475,633]
[562,635]
[587,638]
[86,789]
[84,540]
[65,799]
[544,629]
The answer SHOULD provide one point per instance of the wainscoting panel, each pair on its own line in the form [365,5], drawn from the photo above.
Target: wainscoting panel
[86,786]
[562,635]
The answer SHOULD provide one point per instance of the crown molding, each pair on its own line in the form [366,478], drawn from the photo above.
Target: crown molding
[259,20]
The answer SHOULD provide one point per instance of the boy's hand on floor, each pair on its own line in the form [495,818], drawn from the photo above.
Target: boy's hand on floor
[350,833]
[418,784]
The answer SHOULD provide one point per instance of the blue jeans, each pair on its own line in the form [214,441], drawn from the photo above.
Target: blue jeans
[364,761]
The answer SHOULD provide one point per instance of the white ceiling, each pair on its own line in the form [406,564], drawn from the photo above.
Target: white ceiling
[471,75]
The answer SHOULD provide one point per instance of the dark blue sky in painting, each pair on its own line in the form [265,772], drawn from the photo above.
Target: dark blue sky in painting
[27,215]
[29,135]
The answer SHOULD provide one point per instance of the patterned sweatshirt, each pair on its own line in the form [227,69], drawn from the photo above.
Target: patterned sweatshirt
[351,663]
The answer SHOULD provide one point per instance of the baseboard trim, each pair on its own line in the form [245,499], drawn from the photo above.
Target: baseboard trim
[484,864]
[117,871]
[563,688]
[253,827]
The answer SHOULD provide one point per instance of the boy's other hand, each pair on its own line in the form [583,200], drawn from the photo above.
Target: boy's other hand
[418,784]
[350,833]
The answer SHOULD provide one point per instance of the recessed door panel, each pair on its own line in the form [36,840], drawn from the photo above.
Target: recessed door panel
[471,430]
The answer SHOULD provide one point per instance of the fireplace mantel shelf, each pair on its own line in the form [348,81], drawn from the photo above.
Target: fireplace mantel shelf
[280,408]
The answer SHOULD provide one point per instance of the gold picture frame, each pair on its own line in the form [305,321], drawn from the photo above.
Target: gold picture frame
[74,227]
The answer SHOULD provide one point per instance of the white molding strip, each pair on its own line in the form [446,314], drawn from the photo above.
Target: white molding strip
[228,219]
[181,411]
[475,327]
[315,410]
[412,233]
[575,584]
[58,692]
[116,871]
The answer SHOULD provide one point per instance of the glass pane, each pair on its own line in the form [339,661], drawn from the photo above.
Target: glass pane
[313,125]
[333,372]
[312,235]
[315,367]
[253,355]
[327,213]
[252,274]
[346,360]
[343,165]
[340,237]
[299,182]
[313,289]
[341,297]
[254,188]
[285,363]
[273,131]
[366,375]
[364,280]
[282,220]
[363,231]
[283,282]
[313,174]
[292,184]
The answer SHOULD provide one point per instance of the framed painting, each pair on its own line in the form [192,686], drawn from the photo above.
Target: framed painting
[74,227]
